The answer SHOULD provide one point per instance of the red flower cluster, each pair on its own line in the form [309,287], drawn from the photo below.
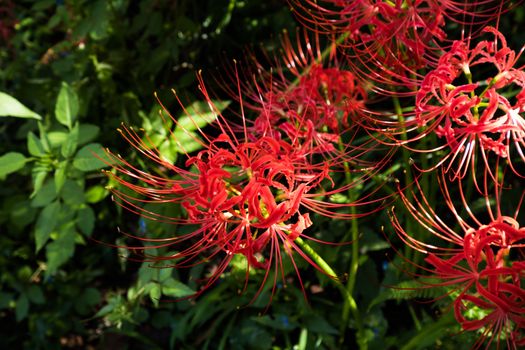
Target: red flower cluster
[474,115]
[248,192]
[389,41]
[251,189]
[482,265]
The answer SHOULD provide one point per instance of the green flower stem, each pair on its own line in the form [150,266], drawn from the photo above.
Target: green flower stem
[349,299]
[354,264]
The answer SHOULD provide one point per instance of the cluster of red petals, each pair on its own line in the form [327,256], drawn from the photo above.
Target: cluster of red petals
[483,265]
[243,194]
[308,100]
[388,41]
[474,115]
[314,113]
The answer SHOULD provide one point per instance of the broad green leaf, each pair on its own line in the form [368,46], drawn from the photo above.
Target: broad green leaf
[72,193]
[66,108]
[96,193]
[86,220]
[11,162]
[22,307]
[88,158]
[87,133]
[59,251]
[11,107]
[46,223]
[57,138]
[186,142]
[46,195]
[168,151]
[20,211]
[70,146]
[34,145]
[199,114]
[177,289]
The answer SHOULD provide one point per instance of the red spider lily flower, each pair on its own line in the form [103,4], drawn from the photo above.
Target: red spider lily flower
[476,116]
[480,263]
[239,196]
[309,100]
[388,41]
[473,119]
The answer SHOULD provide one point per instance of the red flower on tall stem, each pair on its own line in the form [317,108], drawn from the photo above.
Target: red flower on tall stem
[240,197]
[473,101]
[479,262]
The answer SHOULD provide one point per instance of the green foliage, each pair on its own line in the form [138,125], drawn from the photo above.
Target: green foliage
[72,72]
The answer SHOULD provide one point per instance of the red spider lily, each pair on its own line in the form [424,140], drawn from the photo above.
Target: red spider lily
[475,119]
[242,197]
[309,100]
[477,262]
[386,41]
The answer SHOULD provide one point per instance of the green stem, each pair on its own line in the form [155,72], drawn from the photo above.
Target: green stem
[349,299]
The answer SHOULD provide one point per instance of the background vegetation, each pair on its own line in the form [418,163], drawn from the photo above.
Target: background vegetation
[82,68]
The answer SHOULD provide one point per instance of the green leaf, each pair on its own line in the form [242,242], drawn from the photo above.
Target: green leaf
[60,175]
[86,220]
[35,294]
[22,307]
[155,293]
[10,106]
[34,145]
[11,162]
[20,212]
[88,158]
[46,223]
[426,337]
[199,114]
[70,146]
[59,251]
[72,193]
[57,138]
[87,133]
[176,289]
[39,175]
[45,195]
[186,142]
[96,193]
[66,108]
[407,290]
